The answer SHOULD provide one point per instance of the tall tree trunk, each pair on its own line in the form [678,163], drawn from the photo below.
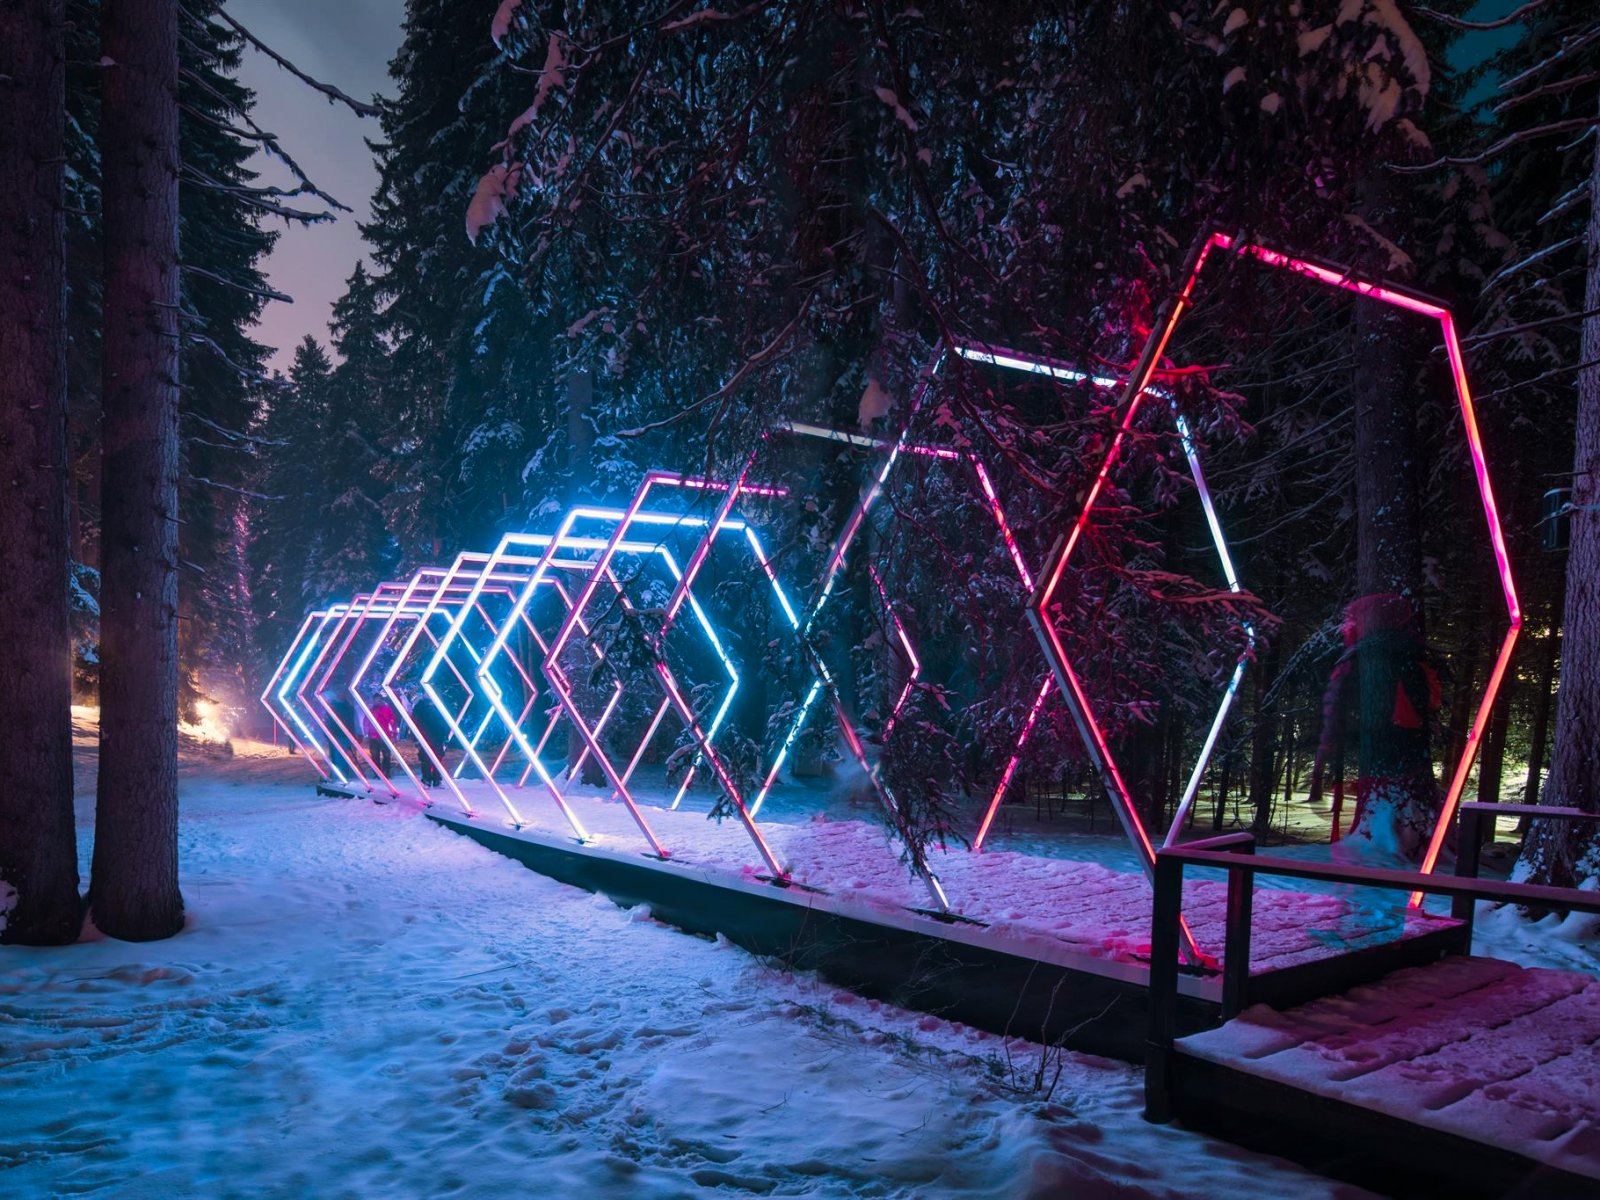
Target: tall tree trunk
[38,850]
[1396,798]
[1492,756]
[1466,690]
[580,660]
[1540,734]
[1555,852]
[1220,807]
[1263,749]
[134,882]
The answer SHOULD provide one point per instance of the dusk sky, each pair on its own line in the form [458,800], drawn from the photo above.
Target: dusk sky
[347,43]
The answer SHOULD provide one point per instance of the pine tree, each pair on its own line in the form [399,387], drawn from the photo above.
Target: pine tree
[1563,854]
[38,852]
[283,517]
[475,424]
[351,549]
[222,365]
[134,878]
[1542,342]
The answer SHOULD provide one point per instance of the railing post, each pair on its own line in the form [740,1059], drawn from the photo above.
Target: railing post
[1163,998]
[1236,944]
[1469,848]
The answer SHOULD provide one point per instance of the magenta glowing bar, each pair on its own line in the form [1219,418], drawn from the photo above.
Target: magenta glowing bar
[521,579]
[633,547]
[597,572]
[442,599]
[697,558]
[913,663]
[1089,731]
[360,612]
[445,585]
[1012,763]
[403,606]
[830,577]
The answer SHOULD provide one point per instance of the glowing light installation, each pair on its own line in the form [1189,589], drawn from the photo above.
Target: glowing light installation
[275,697]
[594,573]
[313,656]
[710,528]
[1138,385]
[403,605]
[323,635]
[473,578]
[1089,732]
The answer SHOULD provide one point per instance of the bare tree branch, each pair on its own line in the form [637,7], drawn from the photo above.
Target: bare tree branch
[1511,18]
[1548,89]
[333,94]
[1549,129]
[725,392]
[201,479]
[264,293]
[1491,335]
[1569,45]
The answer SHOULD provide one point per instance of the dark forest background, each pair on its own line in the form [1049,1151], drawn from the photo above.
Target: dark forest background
[613,236]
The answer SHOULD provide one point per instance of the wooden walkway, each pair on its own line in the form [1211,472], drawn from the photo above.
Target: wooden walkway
[1464,1076]
[1473,1048]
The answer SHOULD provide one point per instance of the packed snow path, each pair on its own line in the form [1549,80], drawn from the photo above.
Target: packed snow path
[366,1004]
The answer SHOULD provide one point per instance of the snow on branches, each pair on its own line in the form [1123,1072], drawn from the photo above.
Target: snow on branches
[497,187]
[504,17]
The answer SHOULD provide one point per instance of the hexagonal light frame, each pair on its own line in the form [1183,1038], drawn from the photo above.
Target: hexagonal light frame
[326,634]
[564,539]
[500,573]
[443,592]
[704,737]
[402,606]
[374,605]
[315,673]
[1034,364]
[282,680]
[406,606]
[520,570]
[1138,384]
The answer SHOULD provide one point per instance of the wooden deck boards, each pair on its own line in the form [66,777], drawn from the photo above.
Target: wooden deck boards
[1477,1048]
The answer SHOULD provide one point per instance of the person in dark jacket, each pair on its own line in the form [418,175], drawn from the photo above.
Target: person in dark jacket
[431,725]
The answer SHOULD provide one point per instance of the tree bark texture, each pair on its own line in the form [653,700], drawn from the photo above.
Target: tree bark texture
[1492,756]
[1540,735]
[1396,798]
[38,850]
[1557,853]
[580,663]
[134,880]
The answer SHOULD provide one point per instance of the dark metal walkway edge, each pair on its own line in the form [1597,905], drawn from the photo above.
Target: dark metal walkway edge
[1007,994]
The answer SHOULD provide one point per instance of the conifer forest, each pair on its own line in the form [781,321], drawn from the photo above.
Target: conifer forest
[947,469]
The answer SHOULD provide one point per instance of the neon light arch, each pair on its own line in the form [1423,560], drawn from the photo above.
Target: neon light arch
[1138,385]
[682,594]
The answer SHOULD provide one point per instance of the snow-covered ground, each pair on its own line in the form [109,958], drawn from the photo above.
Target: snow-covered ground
[364,1003]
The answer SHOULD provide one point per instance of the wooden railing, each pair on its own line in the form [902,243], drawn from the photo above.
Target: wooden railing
[1235,854]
